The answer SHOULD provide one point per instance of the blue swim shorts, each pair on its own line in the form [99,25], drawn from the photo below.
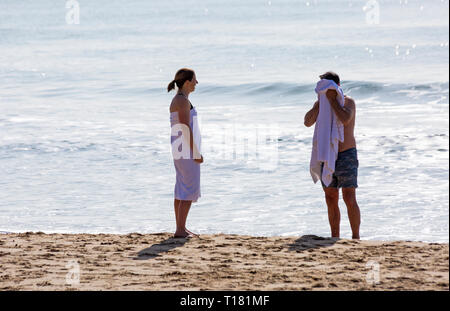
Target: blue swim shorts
[346,170]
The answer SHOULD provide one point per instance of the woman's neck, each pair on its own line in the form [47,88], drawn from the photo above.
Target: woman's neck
[184,93]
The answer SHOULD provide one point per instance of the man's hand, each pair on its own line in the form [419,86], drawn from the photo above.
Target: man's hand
[331,95]
[199,161]
[346,113]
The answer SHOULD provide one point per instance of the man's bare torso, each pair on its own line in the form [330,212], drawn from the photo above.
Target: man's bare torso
[349,136]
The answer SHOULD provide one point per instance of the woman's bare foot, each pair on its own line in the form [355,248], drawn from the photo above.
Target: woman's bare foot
[181,234]
[192,233]
[185,234]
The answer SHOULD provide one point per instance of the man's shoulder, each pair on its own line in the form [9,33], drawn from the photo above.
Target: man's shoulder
[349,101]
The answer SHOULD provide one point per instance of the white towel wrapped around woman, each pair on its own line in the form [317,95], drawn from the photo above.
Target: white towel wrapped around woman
[328,132]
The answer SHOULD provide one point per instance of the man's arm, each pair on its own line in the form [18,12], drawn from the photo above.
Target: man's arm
[311,116]
[345,114]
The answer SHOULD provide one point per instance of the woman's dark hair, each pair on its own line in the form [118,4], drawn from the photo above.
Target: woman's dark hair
[181,76]
[331,76]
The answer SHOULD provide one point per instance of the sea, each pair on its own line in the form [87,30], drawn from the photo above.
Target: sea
[84,114]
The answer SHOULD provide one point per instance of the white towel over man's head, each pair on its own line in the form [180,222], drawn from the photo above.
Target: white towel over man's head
[328,132]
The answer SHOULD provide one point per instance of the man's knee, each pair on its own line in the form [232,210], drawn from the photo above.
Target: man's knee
[349,196]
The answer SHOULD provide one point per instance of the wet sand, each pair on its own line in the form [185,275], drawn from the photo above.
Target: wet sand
[38,261]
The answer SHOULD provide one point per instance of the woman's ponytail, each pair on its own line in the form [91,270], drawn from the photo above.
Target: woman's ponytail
[181,76]
[171,86]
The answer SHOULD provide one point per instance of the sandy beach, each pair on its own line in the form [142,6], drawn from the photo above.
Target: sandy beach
[38,261]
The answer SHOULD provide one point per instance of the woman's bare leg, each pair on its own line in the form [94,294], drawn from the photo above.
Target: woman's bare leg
[176,204]
[181,214]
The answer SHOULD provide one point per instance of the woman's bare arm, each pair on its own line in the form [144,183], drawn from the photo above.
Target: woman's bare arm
[184,114]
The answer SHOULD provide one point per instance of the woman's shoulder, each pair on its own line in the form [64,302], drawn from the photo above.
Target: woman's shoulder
[179,103]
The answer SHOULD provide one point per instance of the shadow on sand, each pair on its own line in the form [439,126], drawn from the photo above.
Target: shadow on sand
[163,247]
[307,242]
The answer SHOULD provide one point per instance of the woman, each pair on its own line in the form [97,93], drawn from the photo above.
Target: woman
[185,133]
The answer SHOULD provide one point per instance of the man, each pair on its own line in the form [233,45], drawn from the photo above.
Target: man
[346,167]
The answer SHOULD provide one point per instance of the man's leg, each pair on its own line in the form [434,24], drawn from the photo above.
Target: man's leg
[334,216]
[349,195]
